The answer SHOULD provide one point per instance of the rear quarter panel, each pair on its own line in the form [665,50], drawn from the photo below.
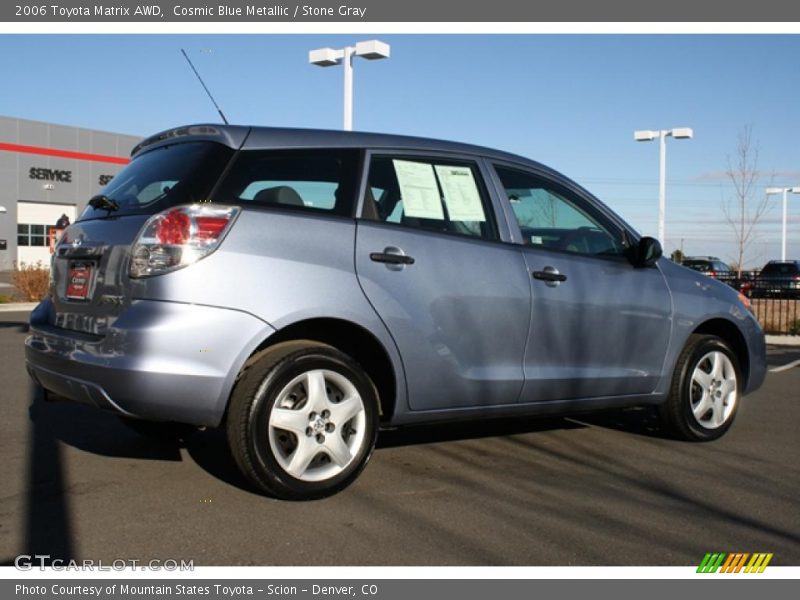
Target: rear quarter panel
[282,267]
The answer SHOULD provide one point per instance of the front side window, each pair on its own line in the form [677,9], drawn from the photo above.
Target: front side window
[552,218]
[434,194]
[313,180]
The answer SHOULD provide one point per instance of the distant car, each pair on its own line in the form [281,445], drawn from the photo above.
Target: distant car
[778,279]
[708,265]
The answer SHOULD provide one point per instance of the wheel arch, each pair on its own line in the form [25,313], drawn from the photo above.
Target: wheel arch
[355,341]
[732,335]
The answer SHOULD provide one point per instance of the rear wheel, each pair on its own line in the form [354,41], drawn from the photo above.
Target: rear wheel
[706,389]
[302,421]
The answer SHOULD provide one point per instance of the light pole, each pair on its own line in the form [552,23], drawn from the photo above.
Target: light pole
[785,191]
[329,57]
[679,133]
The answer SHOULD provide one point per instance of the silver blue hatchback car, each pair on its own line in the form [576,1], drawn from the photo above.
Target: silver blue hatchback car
[305,288]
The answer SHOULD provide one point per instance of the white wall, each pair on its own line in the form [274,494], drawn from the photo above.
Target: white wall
[40,213]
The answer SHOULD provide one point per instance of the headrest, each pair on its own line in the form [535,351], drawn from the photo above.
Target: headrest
[282,194]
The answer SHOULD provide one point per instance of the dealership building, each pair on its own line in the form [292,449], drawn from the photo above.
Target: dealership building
[47,171]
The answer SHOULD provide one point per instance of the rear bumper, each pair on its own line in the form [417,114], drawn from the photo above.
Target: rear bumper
[161,361]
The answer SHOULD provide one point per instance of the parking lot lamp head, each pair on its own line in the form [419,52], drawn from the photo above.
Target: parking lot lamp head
[329,57]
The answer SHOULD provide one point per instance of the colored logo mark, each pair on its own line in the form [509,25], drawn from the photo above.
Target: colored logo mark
[734,562]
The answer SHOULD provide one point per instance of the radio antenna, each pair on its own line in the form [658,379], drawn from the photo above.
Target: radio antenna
[200,79]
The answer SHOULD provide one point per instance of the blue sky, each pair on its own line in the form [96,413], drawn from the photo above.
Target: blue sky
[569,101]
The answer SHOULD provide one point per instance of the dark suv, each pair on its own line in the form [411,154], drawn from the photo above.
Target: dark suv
[778,279]
[304,288]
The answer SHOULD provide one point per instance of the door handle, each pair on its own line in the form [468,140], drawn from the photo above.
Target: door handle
[549,274]
[391,259]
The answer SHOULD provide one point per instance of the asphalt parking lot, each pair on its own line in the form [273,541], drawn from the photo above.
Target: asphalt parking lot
[593,490]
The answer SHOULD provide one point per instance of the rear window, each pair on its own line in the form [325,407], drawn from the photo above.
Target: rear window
[305,180]
[780,269]
[163,177]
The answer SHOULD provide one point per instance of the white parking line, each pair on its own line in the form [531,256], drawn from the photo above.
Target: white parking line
[791,365]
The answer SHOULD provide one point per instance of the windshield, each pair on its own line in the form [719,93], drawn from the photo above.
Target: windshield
[697,265]
[163,177]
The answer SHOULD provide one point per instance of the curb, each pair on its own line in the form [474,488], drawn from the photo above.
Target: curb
[783,340]
[18,307]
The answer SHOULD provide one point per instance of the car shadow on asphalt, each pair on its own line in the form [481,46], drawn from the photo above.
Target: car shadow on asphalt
[209,450]
[48,525]
[90,430]
[20,326]
[47,520]
[469,430]
[98,432]
[55,422]
[642,421]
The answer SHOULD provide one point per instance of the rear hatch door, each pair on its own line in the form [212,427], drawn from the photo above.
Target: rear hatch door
[90,286]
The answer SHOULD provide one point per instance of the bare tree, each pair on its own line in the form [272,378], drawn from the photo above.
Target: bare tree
[745,209]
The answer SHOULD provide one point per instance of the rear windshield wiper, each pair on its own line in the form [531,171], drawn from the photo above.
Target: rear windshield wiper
[103,202]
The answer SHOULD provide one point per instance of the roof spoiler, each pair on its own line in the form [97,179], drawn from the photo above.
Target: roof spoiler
[231,136]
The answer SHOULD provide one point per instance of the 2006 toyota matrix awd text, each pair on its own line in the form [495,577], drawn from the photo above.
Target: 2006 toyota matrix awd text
[305,288]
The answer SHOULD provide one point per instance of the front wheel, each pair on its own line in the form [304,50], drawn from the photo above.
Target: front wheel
[706,389]
[302,421]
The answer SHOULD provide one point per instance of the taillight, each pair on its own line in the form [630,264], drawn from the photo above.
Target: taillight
[179,237]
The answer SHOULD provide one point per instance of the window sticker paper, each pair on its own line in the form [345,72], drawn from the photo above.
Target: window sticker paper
[418,189]
[460,193]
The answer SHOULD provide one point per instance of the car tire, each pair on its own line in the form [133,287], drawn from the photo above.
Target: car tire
[705,392]
[157,430]
[302,420]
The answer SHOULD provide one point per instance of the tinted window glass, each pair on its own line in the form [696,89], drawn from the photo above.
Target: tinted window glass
[178,174]
[697,265]
[552,217]
[780,269]
[437,195]
[314,180]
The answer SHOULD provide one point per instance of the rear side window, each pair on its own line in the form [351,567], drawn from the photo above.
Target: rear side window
[182,173]
[438,195]
[305,180]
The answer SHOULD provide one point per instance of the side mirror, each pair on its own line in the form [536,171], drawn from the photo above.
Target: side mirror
[647,252]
